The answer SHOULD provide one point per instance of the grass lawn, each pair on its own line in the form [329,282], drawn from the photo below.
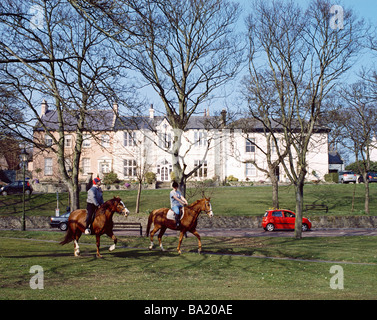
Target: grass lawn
[132,272]
[226,201]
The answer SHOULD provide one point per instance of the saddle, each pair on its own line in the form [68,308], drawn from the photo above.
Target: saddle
[171,215]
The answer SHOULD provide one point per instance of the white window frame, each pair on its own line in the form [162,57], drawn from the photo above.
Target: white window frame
[250,145]
[250,170]
[129,168]
[202,172]
[129,139]
[48,167]
[86,166]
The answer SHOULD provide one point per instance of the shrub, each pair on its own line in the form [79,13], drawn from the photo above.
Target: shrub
[110,178]
[150,177]
[332,177]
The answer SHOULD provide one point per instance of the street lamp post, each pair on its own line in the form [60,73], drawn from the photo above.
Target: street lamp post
[24,156]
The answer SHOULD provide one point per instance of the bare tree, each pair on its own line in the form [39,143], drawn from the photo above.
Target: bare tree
[62,58]
[183,49]
[356,117]
[305,54]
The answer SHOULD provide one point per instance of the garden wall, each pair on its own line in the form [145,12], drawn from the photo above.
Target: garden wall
[320,222]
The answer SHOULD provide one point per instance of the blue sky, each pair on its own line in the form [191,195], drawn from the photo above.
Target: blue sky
[366,9]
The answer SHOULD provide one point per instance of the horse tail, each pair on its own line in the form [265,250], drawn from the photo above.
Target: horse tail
[68,236]
[150,219]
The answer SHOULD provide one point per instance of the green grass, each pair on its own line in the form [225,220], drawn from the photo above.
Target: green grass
[226,201]
[132,272]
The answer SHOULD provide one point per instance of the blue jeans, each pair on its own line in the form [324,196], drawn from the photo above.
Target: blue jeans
[176,209]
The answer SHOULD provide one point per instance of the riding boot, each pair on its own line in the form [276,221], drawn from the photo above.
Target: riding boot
[177,220]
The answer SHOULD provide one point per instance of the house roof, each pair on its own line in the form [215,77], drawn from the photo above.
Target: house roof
[334,158]
[254,125]
[144,122]
[97,120]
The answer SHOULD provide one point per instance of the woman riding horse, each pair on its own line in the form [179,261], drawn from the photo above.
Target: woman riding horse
[162,220]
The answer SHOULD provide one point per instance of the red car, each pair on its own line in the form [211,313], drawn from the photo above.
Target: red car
[282,219]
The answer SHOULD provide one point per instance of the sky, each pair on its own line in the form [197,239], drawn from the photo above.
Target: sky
[366,9]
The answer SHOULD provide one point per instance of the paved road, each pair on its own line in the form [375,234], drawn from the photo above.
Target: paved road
[261,233]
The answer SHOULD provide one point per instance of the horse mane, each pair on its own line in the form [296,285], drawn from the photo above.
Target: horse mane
[194,203]
[108,204]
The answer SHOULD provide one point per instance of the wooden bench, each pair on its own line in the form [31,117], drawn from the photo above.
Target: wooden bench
[316,207]
[132,226]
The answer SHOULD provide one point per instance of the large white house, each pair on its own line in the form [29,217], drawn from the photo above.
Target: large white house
[127,145]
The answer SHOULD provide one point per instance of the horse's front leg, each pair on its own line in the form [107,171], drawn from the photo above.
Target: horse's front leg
[196,234]
[180,241]
[98,243]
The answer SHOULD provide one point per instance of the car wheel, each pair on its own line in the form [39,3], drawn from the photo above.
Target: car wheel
[304,227]
[270,227]
[63,226]
[4,193]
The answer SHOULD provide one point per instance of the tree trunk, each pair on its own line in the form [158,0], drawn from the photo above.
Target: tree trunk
[299,207]
[138,198]
[275,190]
[74,196]
[366,185]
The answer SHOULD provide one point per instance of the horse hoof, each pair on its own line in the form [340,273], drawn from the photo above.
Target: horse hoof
[199,251]
[98,256]
[179,252]
[112,247]
[77,253]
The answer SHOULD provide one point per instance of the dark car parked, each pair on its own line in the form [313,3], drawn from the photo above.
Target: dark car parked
[16,187]
[60,222]
[372,177]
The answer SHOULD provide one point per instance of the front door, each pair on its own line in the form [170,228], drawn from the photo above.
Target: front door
[165,174]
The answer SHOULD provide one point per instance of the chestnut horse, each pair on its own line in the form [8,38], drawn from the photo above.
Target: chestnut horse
[188,222]
[103,223]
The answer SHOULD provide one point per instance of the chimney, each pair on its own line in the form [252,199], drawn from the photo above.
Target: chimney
[44,107]
[223,118]
[151,112]
[115,108]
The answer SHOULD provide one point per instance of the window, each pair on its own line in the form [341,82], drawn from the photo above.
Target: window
[86,165]
[164,169]
[130,168]
[105,140]
[200,138]
[273,146]
[129,139]
[251,171]
[250,145]
[203,170]
[68,164]
[48,141]
[86,141]
[105,167]
[68,141]
[165,140]
[48,166]
[277,214]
